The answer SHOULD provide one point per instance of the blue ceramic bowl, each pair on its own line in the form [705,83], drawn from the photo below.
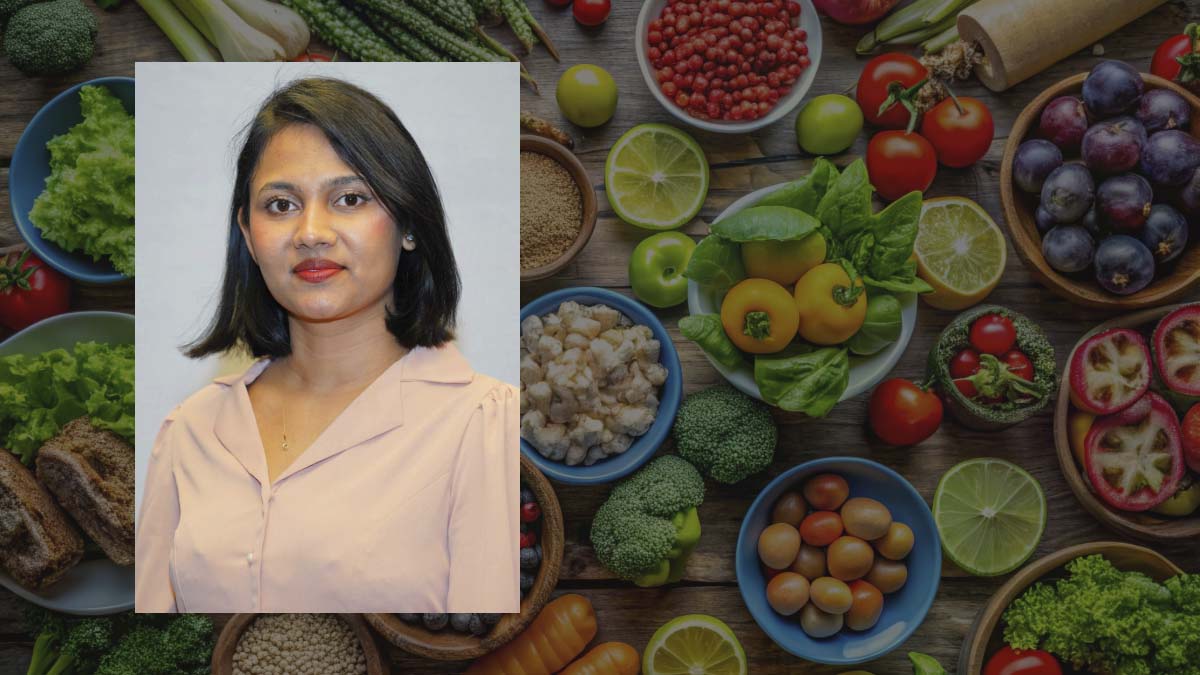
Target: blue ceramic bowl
[643,448]
[903,610]
[31,166]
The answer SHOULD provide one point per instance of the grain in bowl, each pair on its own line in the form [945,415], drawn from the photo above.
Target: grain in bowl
[299,644]
[551,210]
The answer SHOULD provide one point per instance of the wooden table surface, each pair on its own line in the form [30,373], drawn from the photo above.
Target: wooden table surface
[740,164]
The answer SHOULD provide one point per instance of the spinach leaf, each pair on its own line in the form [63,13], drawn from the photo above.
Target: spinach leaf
[895,230]
[804,193]
[858,248]
[766,223]
[716,263]
[846,207]
[811,383]
[903,281]
[881,327]
[707,332]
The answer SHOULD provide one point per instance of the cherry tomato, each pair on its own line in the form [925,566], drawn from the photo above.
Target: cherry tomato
[1009,661]
[965,364]
[30,290]
[899,163]
[1178,59]
[310,56]
[1018,364]
[826,491]
[875,88]
[528,539]
[530,512]
[901,413]
[591,12]
[821,528]
[993,334]
[961,131]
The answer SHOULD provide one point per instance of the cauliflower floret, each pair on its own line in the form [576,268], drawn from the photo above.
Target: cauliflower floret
[531,331]
[576,341]
[563,406]
[626,351]
[594,454]
[607,316]
[531,370]
[548,349]
[538,396]
[635,388]
[586,327]
[548,439]
[631,420]
[575,454]
[588,431]
[552,326]
[571,310]
[656,373]
[613,337]
[619,444]
[604,357]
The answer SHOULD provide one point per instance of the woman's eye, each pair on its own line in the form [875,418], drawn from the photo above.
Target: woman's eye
[352,199]
[280,205]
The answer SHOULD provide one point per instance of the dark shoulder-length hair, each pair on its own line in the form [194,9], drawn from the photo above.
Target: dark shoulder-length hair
[367,136]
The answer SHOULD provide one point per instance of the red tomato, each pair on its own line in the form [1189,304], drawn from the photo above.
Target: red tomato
[901,413]
[961,131]
[965,364]
[821,528]
[1178,59]
[310,56]
[30,290]
[1018,364]
[900,162]
[1009,661]
[993,334]
[591,12]
[875,88]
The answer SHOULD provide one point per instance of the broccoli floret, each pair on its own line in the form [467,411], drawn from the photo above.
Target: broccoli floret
[649,525]
[10,7]
[180,647]
[66,646]
[725,433]
[51,38]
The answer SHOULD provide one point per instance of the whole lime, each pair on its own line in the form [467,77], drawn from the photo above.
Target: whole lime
[828,124]
[587,95]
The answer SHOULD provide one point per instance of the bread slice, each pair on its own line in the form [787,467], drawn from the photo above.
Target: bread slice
[90,471]
[38,543]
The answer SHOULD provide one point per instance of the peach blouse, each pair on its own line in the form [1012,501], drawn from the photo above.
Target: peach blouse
[407,502]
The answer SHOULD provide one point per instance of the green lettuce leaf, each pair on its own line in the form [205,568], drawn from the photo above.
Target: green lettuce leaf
[810,382]
[716,264]
[895,230]
[804,193]
[766,223]
[707,331]
[846,207]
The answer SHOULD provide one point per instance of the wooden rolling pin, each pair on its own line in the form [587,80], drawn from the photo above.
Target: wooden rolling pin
[1021,38]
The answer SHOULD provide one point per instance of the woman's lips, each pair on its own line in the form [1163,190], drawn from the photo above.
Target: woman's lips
[316,270]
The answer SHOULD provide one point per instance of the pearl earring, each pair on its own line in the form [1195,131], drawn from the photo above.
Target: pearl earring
[409,237]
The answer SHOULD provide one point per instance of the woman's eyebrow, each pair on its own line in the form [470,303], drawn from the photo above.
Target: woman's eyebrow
[337,181]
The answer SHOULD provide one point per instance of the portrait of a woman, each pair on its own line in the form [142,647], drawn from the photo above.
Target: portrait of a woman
[360,464]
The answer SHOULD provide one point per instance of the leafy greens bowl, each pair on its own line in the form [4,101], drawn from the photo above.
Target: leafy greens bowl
[805,377]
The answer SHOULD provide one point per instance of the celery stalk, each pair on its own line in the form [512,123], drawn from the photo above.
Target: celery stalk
[943,9]
[190,43]
[922,34]
[196,20]
[940,41]
[904,20]
[867,44]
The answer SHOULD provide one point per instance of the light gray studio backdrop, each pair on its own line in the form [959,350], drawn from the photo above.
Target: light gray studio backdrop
[464,118]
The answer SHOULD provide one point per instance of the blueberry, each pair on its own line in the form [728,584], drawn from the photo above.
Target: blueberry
[530,559]
[476,625]
[527,496]
[460,622]
[490,619]
[526,581]
[435,621]
[409,618]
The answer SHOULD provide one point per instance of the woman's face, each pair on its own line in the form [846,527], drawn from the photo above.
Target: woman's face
[326,246]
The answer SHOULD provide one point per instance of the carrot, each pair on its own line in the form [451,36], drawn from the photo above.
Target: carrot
[610,658]
[555,637]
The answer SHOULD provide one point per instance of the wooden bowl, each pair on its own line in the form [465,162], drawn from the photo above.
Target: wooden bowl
[1144,525]
[1019,208]
[986,636]
[568,160]
[222,660]
[450,645]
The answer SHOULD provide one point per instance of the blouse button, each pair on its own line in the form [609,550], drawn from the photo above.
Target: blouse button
[250,558]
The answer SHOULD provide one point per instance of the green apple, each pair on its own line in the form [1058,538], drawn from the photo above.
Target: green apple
[657,266]
[587,95]
[828,124]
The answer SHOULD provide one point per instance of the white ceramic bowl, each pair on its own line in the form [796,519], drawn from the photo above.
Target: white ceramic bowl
[865,371]
[809,21]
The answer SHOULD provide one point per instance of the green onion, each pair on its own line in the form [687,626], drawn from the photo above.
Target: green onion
[943,9]
[190,43]
[922,34]
[940,41]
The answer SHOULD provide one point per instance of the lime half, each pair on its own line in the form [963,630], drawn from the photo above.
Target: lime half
[656,177]
[694,644]
[990,514]
[960,252]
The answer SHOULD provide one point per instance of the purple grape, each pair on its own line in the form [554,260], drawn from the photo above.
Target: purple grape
[1165,233]
[1162,109]
[1112,88]
[1170,157]
[1068,192]
[1123,264]
[1114,146]
[1123,203]
[1068,249]
[1045,222]
[1188,197]
[1092,223]
[1063,123]
[1033,162]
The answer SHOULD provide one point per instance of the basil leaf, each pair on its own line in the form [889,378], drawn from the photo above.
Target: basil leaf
[923,664]
[804,193]
[903,281]
[707,331]
[858,249]
[881,327]
[716,263]
[811,383]
[766,223]
[846,207]
[895,230]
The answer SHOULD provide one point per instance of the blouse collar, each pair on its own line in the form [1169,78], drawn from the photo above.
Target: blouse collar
[377,410]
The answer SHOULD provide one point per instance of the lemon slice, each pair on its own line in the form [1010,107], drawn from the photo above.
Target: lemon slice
[960,252]
[694,644]
[990,514]
[656,177]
